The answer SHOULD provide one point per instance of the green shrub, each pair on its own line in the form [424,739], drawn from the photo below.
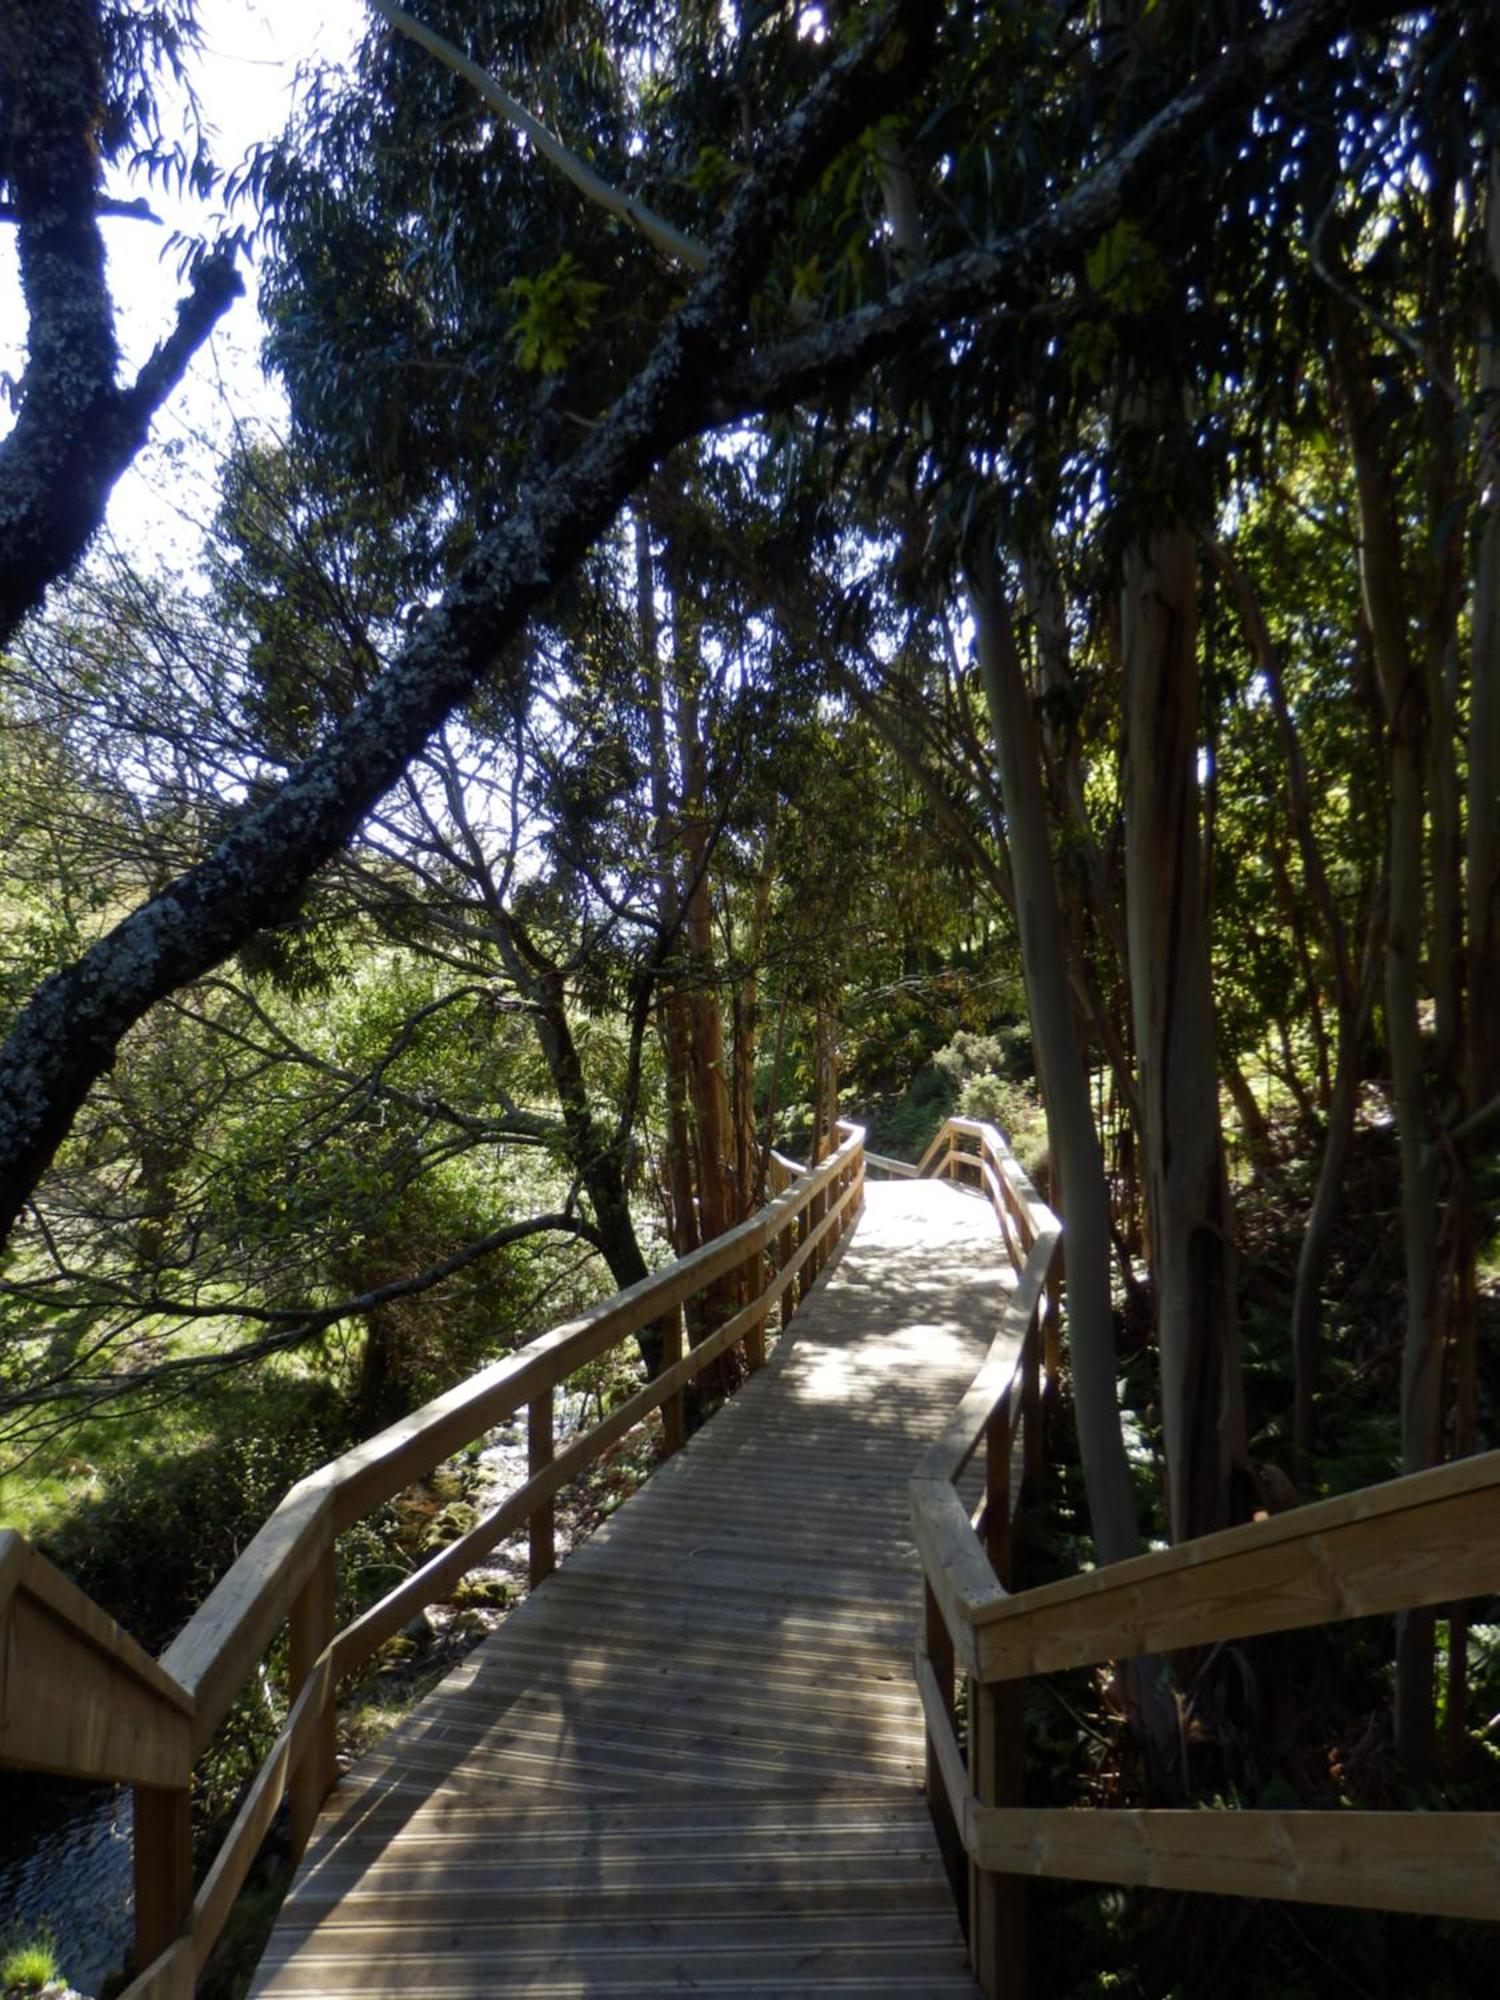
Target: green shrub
[1015,1109]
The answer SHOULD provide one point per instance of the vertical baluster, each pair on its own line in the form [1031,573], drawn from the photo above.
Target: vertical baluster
[786,1244]
[312,1627]
[938,1643]
[755,1285]
[1054,1320]
[673,1427]
[538,1458]
[997,1903]
[1031,1408]
[163,1862]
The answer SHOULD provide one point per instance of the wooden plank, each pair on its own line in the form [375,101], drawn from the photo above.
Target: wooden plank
[75,1709]
[218,1648]
[170,1977]
[1429,1863]
[444,1570]
[947,1761]
[957,1570]
[23,1567]
[1430,1538]
[542,1521]
[673,1409]
[15,1551]
[232,1864]
[684,1760]
[312,1627]
[162,1862]
[1004,1205]
[950,1453]
[216,1651]
[997,1911]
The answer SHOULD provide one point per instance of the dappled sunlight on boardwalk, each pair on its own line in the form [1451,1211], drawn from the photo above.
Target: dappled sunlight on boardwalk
[691,1760]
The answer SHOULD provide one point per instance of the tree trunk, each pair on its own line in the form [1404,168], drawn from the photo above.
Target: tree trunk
[1403,695]
[1072,1134]
[708,1080]
[1482,859]
[1187,1189]
[671,1011]
[1481,1065]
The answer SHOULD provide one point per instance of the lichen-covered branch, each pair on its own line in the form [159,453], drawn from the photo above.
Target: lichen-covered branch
[67,1034]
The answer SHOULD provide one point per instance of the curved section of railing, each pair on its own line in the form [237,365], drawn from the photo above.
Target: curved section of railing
[1428,1539]
[81,1699]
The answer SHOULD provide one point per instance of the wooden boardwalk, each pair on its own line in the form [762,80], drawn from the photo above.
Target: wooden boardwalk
[692,1760]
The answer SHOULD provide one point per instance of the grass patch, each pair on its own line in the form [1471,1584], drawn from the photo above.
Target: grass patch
[29,1963]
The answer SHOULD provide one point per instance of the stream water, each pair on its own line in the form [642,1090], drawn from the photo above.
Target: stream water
[65,1866]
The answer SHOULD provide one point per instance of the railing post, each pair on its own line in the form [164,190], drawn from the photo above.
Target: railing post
[1031,1410]
[538,1458]
[997,1903]
[673,1424]
[755,1338]
[997,1747]
[804,1278]
[1054,1320]
[162,1841]
[786,1244]
[312,1629]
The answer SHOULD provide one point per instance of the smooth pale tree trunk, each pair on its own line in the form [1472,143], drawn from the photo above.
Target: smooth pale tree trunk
[1086,885]
[671,1012]
[1482,859]
[1440,592]
[1189,1219]
[1481,1055]
[1403,696]
[708,1080]
[1072,1134]
[1061,1073]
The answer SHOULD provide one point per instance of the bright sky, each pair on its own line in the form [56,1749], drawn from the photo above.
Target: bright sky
[244,79]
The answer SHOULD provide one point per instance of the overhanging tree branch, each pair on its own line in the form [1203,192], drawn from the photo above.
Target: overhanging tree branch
[293,1326]
[663,235]
[66,1036]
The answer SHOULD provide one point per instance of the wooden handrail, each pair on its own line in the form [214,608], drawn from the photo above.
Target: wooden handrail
[131,1719]
[78,1696]
[1430,1538]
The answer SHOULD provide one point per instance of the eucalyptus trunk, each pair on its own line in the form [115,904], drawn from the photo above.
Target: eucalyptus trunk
[671,1013]
[1072,1134]
[1404,698]
[1189,1219]
[1482,858]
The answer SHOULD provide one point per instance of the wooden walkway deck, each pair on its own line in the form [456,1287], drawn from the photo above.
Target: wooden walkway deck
[691,1761]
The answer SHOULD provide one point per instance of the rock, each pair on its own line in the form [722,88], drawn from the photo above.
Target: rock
[488,1592]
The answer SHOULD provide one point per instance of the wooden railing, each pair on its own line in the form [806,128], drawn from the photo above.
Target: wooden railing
[1431,1538]
[81,1699]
